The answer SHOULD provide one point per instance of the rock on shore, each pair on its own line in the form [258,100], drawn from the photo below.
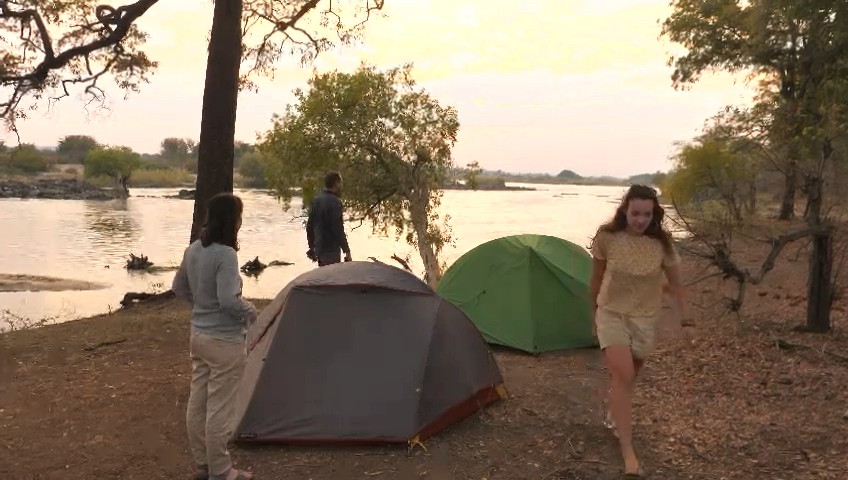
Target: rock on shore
[56,189]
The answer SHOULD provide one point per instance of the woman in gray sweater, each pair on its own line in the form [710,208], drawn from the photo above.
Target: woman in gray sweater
[209,277]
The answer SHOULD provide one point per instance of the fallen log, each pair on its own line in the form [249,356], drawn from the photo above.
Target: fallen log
[132,298]
[255,267]
[104,344]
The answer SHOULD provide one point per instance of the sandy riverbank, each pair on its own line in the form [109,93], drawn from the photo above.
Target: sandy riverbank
[104,398]
[33,283]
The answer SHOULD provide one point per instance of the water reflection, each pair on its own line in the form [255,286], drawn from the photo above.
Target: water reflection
[110,221]
[88,240]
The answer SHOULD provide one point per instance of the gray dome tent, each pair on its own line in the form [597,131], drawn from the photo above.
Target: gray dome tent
[361,352]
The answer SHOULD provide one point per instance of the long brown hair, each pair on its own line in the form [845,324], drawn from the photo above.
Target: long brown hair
[655,229]
[223,212]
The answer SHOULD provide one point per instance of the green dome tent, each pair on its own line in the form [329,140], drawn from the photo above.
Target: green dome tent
[529,292]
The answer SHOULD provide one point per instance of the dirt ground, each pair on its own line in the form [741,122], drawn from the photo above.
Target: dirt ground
[105,397]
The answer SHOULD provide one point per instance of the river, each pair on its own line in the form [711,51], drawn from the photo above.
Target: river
[91,240]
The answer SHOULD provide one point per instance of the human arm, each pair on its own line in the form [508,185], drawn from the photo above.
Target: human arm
[671,267]
[310,232]
[228,281]
[180,285]
[338,228]
[599,268]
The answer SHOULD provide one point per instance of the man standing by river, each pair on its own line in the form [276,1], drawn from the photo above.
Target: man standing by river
[325,227]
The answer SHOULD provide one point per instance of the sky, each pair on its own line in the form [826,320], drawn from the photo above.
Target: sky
[539,85]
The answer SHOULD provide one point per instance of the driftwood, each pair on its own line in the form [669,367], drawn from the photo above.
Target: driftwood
[255,267]
[784,345]
[138,263]
[104,344]
[132,298]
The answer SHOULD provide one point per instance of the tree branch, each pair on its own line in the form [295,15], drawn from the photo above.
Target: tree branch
[373,206]
[283,17]
[112,27]
[718,253]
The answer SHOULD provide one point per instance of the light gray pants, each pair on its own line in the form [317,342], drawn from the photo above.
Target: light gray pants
[216,369]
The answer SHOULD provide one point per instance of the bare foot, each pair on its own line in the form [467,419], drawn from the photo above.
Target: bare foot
[631,464]
[239,475]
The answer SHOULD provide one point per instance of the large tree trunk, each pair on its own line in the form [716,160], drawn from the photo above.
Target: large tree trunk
[820,283]
[418,201]
[787,205]
[820,288]
[220,100]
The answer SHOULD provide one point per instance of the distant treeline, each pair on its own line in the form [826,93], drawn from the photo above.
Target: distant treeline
[565,177]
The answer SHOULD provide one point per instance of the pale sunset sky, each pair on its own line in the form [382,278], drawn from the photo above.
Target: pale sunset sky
[540,85]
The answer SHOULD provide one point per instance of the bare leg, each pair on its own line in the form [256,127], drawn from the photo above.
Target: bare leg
[619,360]
[638,363]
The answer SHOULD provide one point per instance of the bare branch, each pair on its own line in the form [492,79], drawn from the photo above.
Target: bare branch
[284,34]
[374,206]
[717,252]
[102,41]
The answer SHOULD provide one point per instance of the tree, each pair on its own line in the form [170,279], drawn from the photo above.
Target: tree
[28,159]
[52,49]
[177,149]
[776,41]
[252,169]
[391,142]
[472,175]
[74,148]
[114,162]
[241,149]
[569,175]
[799,50]
[718,169]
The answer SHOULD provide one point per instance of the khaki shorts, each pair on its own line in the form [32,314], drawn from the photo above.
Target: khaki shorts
[638,333]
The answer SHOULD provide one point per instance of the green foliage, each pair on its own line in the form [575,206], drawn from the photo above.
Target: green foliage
[714,170]
[252,168]
[111,162]
[177,149]
[74,148]
[472,175]
[154,166]
[28,159]
[390,141]
[798,49]
[653,179]
[160,178]
[240,150]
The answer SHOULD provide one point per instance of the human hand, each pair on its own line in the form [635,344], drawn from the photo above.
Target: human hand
[348,258]
[252,315]
[310,254]
[595,323]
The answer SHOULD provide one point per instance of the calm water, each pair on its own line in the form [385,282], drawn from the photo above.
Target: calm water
[90,240]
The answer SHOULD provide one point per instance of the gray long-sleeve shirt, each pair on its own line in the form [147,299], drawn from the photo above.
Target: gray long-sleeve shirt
[210,278]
